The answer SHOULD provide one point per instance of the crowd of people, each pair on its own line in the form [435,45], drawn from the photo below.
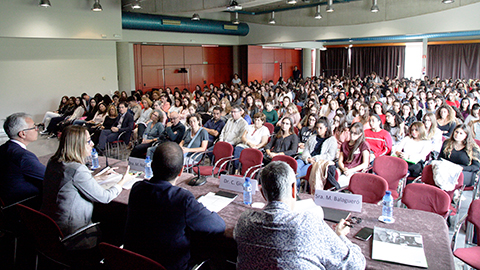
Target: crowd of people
[342,122]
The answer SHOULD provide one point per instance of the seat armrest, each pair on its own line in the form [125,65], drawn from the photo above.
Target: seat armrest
[79,231]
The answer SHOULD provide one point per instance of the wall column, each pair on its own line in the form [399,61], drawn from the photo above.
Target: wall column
[317,63]
[125,67]
[307,63]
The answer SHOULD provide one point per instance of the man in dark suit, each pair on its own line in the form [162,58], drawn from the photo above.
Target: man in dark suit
[162,217]
[21,173]
[123,123]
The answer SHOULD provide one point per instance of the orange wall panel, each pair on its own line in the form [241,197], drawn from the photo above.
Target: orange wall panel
[255,72]
[211,55]
[223,74]
[255,55]
[173,55]
[152,55]
[279,55]
[193,55]
[152,77]
[268,55]
[197,75]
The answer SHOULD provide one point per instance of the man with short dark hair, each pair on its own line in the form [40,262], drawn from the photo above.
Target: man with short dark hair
[214,126]
[123,123]
[161,216]
[21,173]
[279,238]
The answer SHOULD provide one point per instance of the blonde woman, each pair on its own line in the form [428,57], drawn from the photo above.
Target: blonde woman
[434,134]
[69,187]
[414,148]
[292,112]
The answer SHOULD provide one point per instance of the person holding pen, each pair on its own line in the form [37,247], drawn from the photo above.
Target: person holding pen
[69,187]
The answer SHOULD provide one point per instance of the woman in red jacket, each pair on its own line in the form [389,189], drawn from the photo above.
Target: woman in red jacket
[378,139]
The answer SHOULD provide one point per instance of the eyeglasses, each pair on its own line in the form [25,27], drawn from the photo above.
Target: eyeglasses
[35,127]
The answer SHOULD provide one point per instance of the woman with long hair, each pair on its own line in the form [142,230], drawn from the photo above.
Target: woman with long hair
[414,148]
[434,134]
[408,115]
[144,116]
[363,116]
[379,109]
[284,142]
[152,133]
[446,120]
[340,128]
[307,130]
[270,113]
[59,112]
[354,155]
[395,126]
[379,139]
[70,189]
[322,146]
[465,107]
[226,108]
[461,149]
[107,123]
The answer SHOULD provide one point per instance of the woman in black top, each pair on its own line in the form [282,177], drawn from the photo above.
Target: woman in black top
[307,130]
[446,120]
[284,142]
[461,149]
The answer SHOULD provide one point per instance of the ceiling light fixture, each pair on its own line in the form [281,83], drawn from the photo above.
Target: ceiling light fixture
[318,16]
[330,6]
[448,1]
[272,18]
[136,5]
[44,3]
[374,8]
[97,6]
[234,6]
[291,2]
[195,17]
[236,20]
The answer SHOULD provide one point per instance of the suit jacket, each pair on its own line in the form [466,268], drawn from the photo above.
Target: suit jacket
[127,125]
[69,193]
[160,219]
[21,173]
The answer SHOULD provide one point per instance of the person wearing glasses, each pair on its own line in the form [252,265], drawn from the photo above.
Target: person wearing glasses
[69,187]
[233,130]
[20,170]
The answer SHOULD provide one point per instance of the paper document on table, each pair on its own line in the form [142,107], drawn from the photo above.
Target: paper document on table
[214,202]
[129,184]
[400,247]
[110,181]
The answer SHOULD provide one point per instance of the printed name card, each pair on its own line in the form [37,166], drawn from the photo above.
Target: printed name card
[136,164]
[338,200]
[235,183]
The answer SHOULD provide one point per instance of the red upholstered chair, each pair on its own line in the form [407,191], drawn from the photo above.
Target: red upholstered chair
[427,198]
[469,255]
[296,130]
[394,170]
[223,153]
[122,259]
[299,108]
[47,235]
[288,159]
[251,159]
[270,127]
[427,178]
[371,187]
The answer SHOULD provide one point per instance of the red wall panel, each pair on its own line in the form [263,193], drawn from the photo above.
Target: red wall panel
[255,55]
[152,55]
[279,55]
[268,55]
[193,55]
[173,55]
[150,61]
[255,72]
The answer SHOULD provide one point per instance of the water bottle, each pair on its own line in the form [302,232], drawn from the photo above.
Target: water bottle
[387,209]
[247,191]
[148,168]
[95,163]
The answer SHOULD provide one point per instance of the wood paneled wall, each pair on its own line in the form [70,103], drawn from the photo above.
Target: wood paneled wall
[159,66]
[271,64]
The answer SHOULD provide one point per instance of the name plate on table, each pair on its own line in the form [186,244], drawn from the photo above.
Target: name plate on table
[337,200]
[136,164]
[235,183]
